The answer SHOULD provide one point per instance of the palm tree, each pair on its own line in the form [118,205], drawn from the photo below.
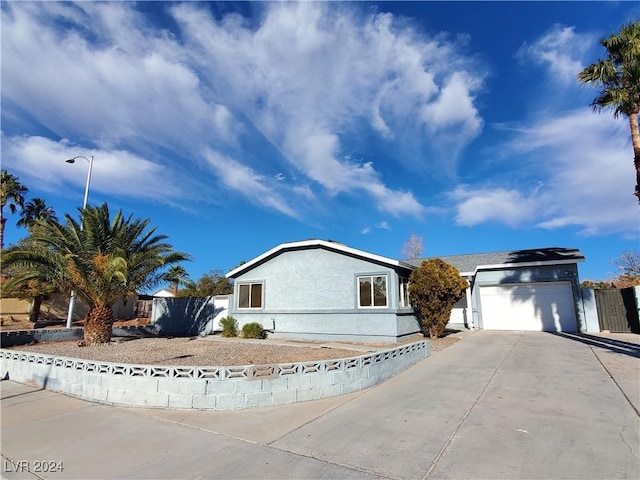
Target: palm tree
[177,276]
[12,194]
[103,259]
[35,210]
[618,75]
[22,283]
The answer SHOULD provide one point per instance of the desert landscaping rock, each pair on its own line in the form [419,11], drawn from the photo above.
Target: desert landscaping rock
[204,352]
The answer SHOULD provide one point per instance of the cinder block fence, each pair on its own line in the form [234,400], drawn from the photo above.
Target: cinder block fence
[217,388]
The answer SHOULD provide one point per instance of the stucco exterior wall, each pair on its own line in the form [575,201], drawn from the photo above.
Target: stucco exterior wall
[314,279]
[312,293]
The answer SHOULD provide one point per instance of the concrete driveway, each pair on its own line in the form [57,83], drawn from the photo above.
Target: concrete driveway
[495,405]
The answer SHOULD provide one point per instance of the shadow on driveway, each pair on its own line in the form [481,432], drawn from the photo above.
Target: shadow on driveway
[616,346]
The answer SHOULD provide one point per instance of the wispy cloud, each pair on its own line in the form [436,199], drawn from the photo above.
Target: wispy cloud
[247,182]
[305,100]
[566,168]
[301,79]
[115,172]
[581,165]
[560,50]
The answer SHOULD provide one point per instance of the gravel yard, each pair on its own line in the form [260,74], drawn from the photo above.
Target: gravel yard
[207,351]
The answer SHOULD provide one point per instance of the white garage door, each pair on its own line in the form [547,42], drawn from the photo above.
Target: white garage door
[545,307]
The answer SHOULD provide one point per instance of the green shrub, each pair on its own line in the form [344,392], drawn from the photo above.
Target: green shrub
[229,327]
[252,330]
[434,288]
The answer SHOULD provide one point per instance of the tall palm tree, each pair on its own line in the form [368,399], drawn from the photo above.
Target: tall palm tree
[12,194]
[103,259]
[177,276]
[618,75]
[34,210]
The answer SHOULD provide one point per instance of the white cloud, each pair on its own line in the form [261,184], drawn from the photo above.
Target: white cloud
[133,88]
[560,50]
[492,204]
[454,108]
[248,183]
[304,77]
[584,162]
[41,162]
[309,74]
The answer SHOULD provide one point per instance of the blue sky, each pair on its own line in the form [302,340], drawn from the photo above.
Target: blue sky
[236,127]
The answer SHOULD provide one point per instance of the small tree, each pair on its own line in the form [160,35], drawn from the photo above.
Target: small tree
[211,283]
[628,264]
[414,247]
[176,276]
[434,288]
[26,284]
[12,194]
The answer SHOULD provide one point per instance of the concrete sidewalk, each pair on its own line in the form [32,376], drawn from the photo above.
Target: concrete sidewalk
[495,405]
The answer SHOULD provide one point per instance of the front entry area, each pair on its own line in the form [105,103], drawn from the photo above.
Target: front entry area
[545,307]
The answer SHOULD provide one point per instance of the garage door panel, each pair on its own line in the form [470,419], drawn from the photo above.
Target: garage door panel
[528,306]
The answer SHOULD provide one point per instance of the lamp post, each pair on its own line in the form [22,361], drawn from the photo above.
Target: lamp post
[72,300]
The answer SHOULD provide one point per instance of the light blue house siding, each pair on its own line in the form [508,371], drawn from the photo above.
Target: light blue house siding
[527,275]
[311,292]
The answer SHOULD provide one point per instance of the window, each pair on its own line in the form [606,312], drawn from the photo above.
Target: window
[250,295]
[372,291]
[404,292]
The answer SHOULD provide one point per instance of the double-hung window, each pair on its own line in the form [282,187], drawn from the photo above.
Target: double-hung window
[250,295]
[372,291]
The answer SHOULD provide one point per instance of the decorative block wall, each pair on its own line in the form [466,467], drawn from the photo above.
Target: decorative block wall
[218,388]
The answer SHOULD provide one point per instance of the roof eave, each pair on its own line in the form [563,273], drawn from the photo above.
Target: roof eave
[528,264]
[316,243]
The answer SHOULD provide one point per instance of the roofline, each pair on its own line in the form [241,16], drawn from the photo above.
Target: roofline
[317,243]
[527,264]
[517,265]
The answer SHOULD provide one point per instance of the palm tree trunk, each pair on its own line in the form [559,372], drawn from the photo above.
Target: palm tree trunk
[2,222]
[98,326]
[635,140]
[35,309]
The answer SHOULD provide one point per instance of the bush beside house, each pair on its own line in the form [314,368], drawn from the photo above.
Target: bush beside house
[434,288]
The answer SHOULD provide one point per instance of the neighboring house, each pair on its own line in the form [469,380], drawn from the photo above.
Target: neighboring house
[144,305]
[163,293]
[320,289]
[534,290]
[325,290]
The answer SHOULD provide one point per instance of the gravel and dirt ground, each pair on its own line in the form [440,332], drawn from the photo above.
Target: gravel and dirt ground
[216,351]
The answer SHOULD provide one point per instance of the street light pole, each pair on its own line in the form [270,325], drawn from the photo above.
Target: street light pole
[72,300]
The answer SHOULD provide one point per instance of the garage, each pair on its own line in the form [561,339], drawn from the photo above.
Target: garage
[528,306]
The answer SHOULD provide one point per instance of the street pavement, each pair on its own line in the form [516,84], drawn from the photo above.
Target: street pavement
[513,405]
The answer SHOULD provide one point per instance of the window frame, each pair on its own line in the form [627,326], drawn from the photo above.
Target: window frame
[251,285]
[371,278]
[403,293]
